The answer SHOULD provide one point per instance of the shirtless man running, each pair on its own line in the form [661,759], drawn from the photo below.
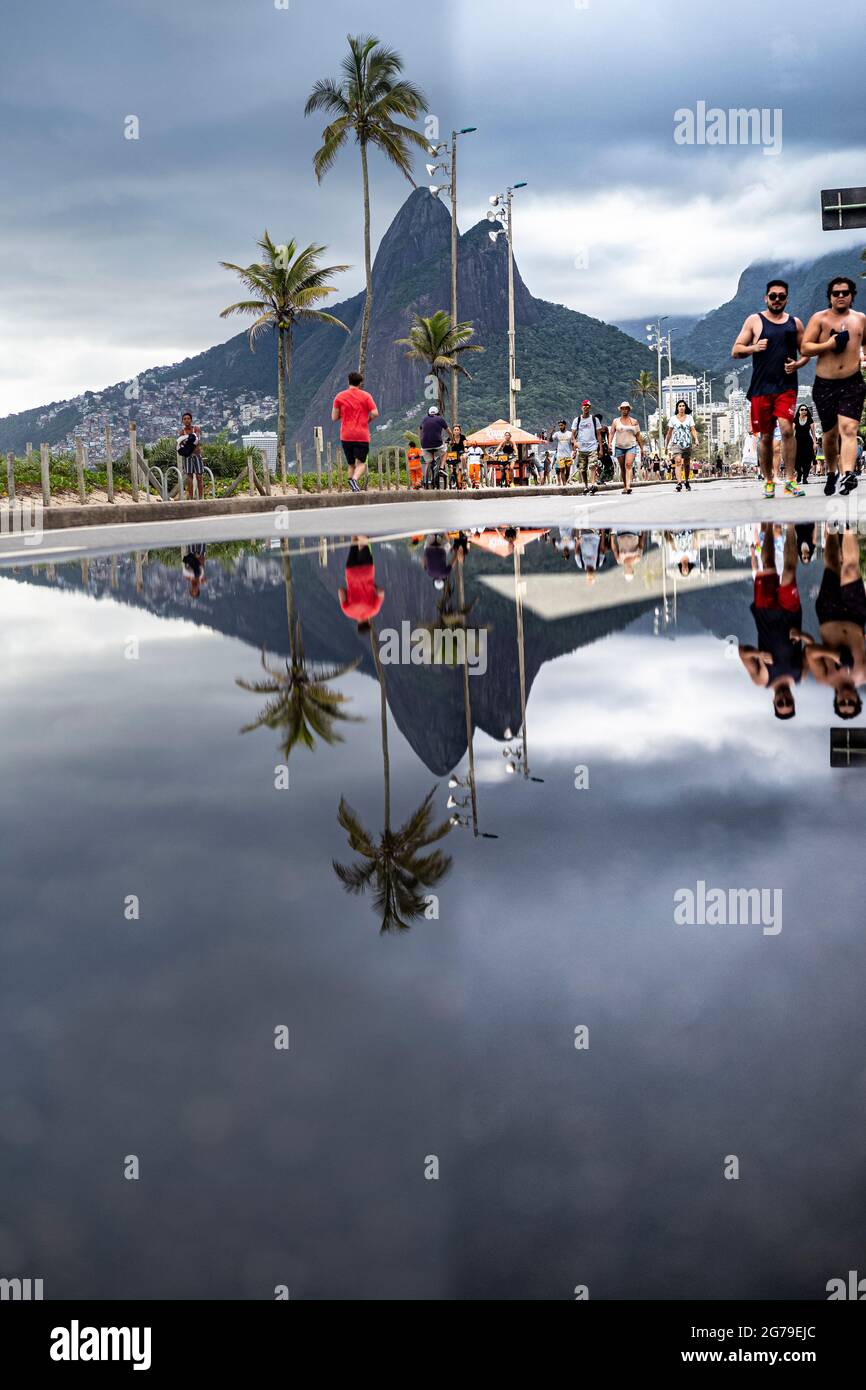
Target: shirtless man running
[772,340]
[835,336]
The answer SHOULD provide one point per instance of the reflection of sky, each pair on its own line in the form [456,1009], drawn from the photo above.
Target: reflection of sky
[557,1166]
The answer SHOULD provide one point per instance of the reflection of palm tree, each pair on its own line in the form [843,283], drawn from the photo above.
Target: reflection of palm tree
[395,867]
[301,704]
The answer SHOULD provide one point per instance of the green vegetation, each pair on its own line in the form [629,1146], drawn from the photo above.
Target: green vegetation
[287,286]
[439,344]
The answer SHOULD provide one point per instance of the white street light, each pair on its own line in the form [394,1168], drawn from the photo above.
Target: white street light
[503,203]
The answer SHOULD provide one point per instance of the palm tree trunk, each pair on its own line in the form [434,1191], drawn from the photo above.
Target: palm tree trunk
[290,599]
[281,401]
[368,302]
[440,388]
[386,760]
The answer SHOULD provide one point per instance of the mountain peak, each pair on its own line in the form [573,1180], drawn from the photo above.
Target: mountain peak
[420,230]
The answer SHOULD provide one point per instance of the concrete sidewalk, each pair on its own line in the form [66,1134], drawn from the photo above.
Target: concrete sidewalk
[715,503]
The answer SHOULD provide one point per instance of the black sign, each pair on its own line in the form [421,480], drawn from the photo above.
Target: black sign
[848,748]
[842,208]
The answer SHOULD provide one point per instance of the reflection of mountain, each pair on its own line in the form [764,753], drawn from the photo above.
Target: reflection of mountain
[246,600]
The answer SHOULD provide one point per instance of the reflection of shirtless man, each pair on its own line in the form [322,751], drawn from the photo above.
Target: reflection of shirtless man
[840,660]
[777,662]
[835,337]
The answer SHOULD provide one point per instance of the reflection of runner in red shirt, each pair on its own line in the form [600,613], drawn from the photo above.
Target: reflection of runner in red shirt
[361,600]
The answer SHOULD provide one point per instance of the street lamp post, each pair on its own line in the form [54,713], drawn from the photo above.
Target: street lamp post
[436,189]
[656,342]
[501,211]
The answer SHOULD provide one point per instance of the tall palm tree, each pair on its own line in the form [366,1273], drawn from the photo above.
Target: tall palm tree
[369,99]
[439,343]
[645,389]
[395,865]
[301,703]
[287,284]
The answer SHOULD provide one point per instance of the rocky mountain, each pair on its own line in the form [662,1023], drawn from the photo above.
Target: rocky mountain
[562,355]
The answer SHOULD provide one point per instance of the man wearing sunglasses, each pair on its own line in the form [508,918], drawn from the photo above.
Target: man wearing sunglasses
[773,340]
[835,337]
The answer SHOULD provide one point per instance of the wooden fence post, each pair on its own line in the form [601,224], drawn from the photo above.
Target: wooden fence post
[79,469]
[45,461]
[299,469]
[10,475]
[109,464]
[317,445]
[330,467]
[133,460]
[251,475]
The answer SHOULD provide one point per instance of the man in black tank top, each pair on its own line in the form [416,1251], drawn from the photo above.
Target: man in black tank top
[773,339]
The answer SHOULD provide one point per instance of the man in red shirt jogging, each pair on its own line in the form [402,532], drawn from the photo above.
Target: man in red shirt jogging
[361,600]
[355,409]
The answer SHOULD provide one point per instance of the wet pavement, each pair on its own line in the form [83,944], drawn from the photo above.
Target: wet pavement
[456,958]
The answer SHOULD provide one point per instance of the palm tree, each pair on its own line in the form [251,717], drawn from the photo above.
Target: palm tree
[395,865]
[301,703]
[645,388]
[439,343]
[369,97]
[287,285]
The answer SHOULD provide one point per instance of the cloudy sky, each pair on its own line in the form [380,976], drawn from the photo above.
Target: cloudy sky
[111,245]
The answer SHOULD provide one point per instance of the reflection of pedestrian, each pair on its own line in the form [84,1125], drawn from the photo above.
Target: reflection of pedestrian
[628,548]
[193,561]
[777,661]
[840,660]
[361,600]
[436,560]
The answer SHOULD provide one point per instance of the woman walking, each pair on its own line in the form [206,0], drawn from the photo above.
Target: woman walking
[805,439]
[680,438]
[627,439]
[454,458]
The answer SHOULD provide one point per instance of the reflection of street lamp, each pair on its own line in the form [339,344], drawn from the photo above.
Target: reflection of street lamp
[501,211]
[451,187]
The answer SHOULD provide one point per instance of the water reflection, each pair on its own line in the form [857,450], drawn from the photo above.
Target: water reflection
[455,1037]
[302,705]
